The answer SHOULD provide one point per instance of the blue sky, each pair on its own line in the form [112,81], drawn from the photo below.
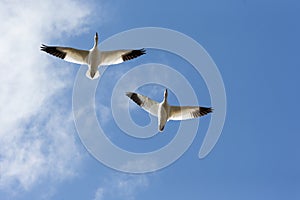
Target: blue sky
[253,43]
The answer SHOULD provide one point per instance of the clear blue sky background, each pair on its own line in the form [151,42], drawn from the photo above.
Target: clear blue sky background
[255,45]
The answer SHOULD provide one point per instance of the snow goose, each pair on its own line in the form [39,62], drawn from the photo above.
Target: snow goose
[94,57]
[164,112]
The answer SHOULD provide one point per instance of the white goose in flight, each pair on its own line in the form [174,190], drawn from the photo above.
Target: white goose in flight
[164,112]
[94,57]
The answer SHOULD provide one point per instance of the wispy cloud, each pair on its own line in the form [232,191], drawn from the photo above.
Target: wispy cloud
[99,195]
[122,187]
[104,113]
[37,140]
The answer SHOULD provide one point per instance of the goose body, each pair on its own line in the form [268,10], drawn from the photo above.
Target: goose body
[93,57]
[165,112]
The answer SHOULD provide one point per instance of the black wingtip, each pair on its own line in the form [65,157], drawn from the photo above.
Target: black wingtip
[133,54]
[53,51]
[43,47]
[142,51]
[205,110]
[134,97]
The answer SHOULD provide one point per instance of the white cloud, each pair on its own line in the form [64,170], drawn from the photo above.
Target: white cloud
[123,186]
[37,136]
[99,194]
[104,113]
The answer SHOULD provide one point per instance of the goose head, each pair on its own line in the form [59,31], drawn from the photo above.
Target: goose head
[165,95]
[96,39]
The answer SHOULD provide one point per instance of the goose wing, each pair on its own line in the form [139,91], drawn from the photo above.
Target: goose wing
[67,53]
[146,103]
[119,56]
[187,112]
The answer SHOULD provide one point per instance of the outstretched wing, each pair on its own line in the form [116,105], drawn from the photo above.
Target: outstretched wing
[146,103]
[119,56]
[67,53]
[188,112]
